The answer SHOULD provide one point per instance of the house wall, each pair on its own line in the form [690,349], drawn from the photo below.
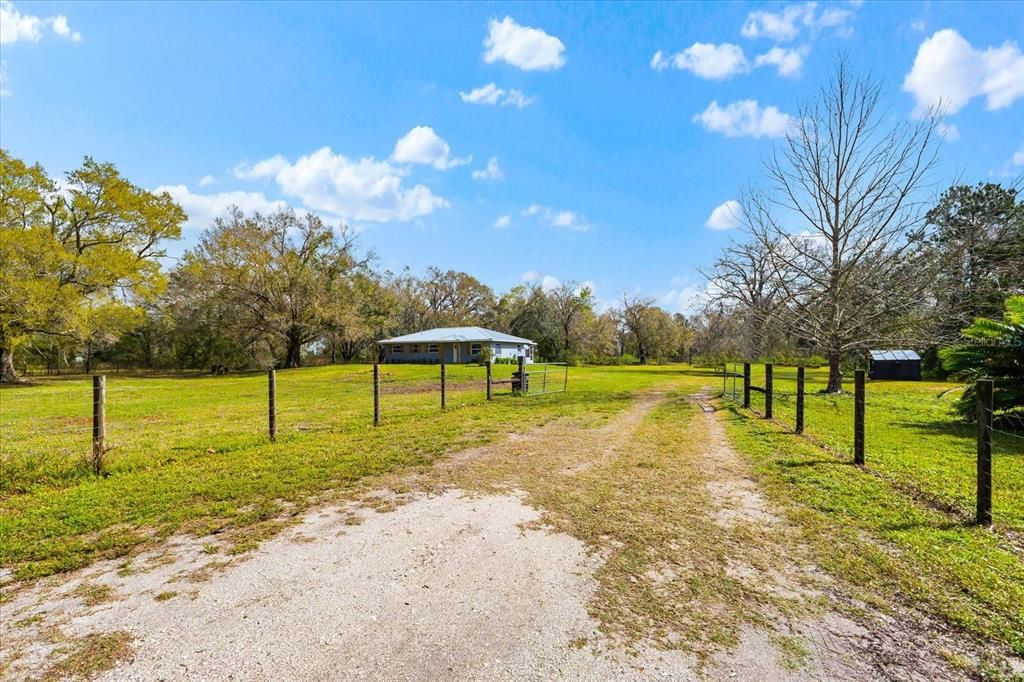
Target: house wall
[420,353]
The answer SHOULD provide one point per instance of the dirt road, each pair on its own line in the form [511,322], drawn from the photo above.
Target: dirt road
[636,550]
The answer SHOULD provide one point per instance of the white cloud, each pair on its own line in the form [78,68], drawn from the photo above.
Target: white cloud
[745,118]
[530,49]
[208,180]
[15,26]
[4,90]
[563,219]
[546,282]
[1014,164]
[686,299]
[61,28]
[502,222]
[485,94]
[203,208]
[709,61]
[517,99]
[366,189]
[262,169]
[491,172]
[790,63]
[726,216]
[948,131]
[423,145]
[491,94]
[917,25]
[787,24]
[948,72]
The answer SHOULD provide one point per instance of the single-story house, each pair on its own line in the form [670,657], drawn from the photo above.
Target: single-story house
[895,364]
[455,344]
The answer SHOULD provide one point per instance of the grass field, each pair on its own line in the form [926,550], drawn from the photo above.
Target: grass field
[190,454]
[911,437]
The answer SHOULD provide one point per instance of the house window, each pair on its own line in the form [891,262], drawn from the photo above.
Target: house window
[415,348]
[432,348]
[474,349]
[529,352]
[396,348]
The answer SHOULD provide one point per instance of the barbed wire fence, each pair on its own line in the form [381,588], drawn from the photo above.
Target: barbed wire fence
[82,422]
[783,396]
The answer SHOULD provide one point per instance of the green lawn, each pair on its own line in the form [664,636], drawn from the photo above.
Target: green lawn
[191,453]
[911,437]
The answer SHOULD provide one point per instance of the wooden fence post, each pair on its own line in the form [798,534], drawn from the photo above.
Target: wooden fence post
[376,394]
[522,375]
[858,417]
[99,421]
[746,385]
[800,399]
[768,390]
[985,406]
[444,385]
[272,404]
[489,380]
[565,378]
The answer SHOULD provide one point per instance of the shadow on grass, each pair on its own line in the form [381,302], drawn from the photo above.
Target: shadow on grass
[965,524]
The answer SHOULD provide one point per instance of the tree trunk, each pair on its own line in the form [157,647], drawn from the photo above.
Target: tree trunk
[294,354]
[7,373]
[88,357]
[835,378]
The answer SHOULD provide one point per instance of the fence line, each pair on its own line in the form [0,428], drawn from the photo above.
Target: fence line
[985,430]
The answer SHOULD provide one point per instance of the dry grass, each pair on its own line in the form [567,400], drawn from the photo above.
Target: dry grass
[94,594]
[91,655]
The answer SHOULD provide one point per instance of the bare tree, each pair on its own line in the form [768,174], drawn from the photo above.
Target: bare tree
[842,226]
[743,281]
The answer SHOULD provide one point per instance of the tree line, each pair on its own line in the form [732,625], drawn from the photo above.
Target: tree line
[83,281]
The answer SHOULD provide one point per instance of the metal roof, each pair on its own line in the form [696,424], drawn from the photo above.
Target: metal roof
[456,335]
[894,355]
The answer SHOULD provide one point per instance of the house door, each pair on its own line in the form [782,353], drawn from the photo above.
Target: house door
[456,348]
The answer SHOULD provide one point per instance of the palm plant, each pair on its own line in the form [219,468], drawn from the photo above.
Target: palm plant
[995,349]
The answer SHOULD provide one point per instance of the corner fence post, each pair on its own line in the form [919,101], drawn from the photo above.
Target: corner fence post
[565,379]
[768,390]
[99,421]
[376,394]
[985,405]
[272,404]
[858,417]
[800,399]
[522,375]
[489,380]
[746,385]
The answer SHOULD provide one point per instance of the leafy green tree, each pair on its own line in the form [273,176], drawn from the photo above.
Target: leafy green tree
[978,241]
[996,351]
[77,260]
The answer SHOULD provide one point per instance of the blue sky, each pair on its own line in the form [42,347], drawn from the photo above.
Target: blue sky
[616,130]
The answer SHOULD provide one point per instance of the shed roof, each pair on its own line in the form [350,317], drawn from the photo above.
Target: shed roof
[456,335]
[894,355]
